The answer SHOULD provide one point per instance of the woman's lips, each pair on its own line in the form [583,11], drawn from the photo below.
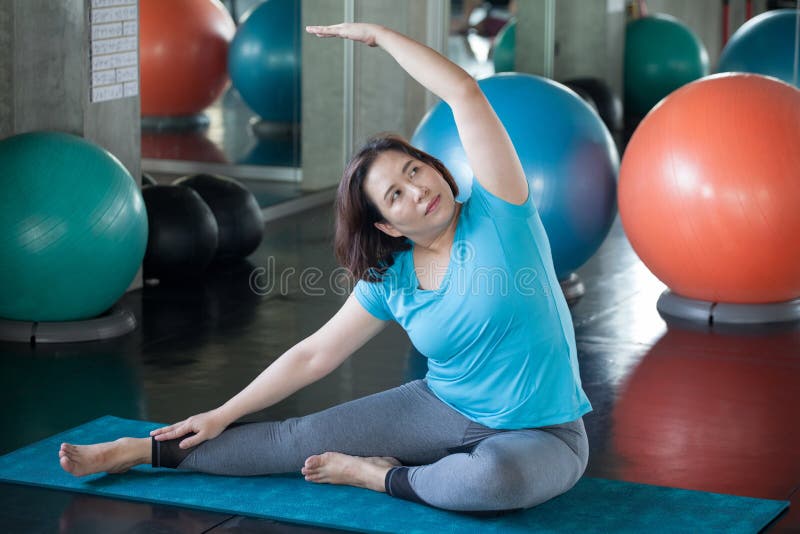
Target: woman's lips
[434,203]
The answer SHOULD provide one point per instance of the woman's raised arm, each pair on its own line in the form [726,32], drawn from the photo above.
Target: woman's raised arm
[489,150]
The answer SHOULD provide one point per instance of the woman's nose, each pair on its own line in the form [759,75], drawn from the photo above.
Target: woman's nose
[420,192]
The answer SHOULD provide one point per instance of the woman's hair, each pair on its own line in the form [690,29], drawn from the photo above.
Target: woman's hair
[361,248]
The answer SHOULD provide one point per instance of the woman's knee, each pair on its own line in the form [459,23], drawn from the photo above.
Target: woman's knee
[524,481]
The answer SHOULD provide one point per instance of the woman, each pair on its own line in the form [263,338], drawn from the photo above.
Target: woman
[497,423]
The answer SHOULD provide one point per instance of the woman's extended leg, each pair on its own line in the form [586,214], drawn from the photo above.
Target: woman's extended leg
[408,423]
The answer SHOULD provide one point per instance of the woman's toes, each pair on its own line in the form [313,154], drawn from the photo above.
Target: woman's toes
[67,464]
[316,477]
[311,467]
[313,462]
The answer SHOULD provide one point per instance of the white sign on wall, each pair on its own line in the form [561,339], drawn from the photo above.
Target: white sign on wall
[114,49]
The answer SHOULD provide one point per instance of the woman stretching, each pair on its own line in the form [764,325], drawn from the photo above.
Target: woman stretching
[496,424]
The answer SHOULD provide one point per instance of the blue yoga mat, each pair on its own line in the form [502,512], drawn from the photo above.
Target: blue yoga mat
[593,505]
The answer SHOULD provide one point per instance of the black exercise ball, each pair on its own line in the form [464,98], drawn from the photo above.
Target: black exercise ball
[148,180]
[609,105]
[239,217]
[183,232]
[585,96]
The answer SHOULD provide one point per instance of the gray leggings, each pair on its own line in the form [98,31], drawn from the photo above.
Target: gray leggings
[449,461]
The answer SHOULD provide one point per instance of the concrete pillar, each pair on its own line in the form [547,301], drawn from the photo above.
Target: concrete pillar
[351,92]
[45,80]
[323,103]
[535,37]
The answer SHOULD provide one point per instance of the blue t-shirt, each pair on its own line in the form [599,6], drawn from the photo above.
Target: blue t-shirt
[497,332]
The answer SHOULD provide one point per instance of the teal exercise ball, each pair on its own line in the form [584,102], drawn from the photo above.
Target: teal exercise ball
[504,53]
[661,55]
[73,228]
[567,153]
[264,60]
[764,45]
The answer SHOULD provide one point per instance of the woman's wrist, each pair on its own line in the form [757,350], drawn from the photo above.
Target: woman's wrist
[380,33]
[227,414]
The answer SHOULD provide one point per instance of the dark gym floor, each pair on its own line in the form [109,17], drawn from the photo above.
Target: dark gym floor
[672,406]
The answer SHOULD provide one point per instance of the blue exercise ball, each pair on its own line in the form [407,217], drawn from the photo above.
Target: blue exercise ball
[264,60]
[567,153]
[73,228]
[763,45]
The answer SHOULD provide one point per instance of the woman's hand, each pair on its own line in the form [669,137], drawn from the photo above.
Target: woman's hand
[207,425]
[355,31]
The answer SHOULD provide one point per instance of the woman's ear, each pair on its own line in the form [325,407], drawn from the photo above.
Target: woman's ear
[387,229]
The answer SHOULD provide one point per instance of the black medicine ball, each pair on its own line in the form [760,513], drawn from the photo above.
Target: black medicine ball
[182,237]
[608,104]
[239,217]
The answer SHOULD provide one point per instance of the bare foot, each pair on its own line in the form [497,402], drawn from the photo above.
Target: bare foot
[111,457]
[338,468]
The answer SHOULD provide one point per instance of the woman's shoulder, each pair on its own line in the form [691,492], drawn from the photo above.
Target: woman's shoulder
[481,202]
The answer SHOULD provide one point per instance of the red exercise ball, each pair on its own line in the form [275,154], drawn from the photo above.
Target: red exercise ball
[183,48]
[709,190]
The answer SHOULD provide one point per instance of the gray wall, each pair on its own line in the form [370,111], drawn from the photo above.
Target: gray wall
[45,81]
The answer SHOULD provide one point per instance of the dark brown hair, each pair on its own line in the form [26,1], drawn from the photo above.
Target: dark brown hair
[361,248]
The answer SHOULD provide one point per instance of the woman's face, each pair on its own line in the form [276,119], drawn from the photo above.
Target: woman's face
[413,197]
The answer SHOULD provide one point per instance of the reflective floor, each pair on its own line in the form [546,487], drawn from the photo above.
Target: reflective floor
[673,406]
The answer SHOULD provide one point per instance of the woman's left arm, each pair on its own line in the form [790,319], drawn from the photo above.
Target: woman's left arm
[489,150]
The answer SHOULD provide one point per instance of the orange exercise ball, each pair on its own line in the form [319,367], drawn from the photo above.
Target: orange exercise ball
[183,49]
[709,190]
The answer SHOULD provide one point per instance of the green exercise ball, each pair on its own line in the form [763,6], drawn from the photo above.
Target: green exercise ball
[504,53]
[73,228]
[661,55]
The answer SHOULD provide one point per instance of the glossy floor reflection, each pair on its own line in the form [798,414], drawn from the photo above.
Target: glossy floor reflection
[673,406]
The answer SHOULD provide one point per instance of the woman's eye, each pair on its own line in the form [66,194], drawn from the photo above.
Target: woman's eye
[414,171]
[395,195]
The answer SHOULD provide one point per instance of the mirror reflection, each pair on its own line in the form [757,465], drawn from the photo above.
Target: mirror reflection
[220,88]
[481,37]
